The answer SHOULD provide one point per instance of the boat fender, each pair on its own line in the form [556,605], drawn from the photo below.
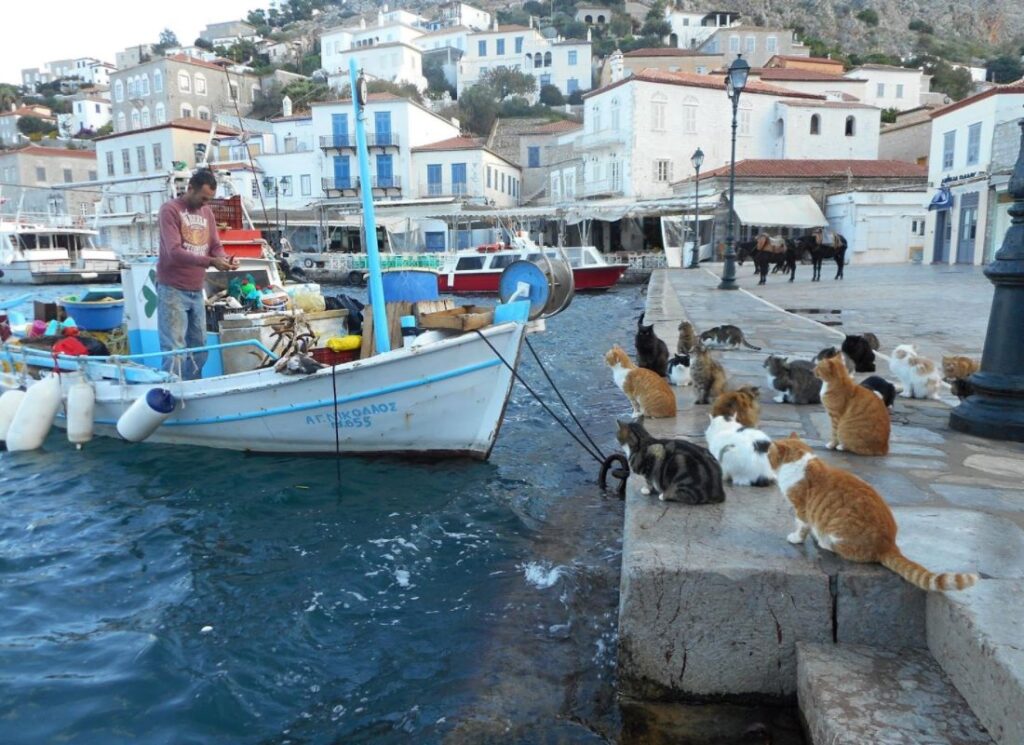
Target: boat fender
[147,413]
[35,415]
[81,405]
[9,403]
[308,263]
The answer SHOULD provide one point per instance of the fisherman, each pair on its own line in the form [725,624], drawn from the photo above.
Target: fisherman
[188,246]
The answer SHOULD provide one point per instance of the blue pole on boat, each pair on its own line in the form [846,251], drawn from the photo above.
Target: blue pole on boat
[380,316]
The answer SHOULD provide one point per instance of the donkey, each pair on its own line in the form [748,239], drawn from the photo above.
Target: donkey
[768,251]
[812,245]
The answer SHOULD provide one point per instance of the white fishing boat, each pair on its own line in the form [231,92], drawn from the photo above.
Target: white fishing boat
[444,394]
[42,251]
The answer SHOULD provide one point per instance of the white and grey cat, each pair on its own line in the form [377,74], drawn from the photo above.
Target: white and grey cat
[794,380]
[742,452]
[679,370]
[918,375]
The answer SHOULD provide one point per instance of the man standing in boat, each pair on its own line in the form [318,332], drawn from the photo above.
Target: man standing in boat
[188,246]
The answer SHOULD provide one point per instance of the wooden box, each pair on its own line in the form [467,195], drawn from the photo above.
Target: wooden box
[46,311]
[464,318]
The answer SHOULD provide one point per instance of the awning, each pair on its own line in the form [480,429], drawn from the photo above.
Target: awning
[782,210]
[943,200]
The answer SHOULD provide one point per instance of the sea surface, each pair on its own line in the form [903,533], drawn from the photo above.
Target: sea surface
[159,594]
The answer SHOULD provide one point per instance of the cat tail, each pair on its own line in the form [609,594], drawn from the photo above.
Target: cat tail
[917,575]
[748,345]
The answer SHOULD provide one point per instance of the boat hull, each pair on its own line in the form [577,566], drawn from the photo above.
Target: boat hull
[585,278]
[446,398]
[21,273]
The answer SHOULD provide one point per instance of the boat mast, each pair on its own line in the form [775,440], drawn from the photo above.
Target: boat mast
[380,317]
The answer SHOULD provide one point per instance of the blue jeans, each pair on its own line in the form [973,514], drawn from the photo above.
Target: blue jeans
[181,322]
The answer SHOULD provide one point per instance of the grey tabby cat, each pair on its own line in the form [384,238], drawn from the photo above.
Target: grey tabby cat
[794,379]
[832,352]
[687,338]
[727,336]
[706,373]
[676,470]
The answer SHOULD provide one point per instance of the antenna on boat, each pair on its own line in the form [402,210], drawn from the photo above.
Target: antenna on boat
[380,317]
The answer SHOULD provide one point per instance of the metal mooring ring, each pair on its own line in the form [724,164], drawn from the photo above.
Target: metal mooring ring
[621,473]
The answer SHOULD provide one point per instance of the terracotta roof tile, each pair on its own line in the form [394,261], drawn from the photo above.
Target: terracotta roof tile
[26,111]
[563,125]
[1015,87]
[198,62]
[453,143]
[52,152]
[651,75]
[795,73]
[669,52]
[831,104]
[198,125]
[774,168]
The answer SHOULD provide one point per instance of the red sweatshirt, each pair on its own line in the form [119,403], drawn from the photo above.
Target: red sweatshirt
[188,243]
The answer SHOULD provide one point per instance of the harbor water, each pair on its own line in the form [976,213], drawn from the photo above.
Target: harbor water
[157,594]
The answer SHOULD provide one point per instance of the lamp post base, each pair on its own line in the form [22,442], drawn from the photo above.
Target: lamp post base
[728,284]
[993,415]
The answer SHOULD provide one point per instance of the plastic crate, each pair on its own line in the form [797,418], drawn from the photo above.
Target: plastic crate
[326,356]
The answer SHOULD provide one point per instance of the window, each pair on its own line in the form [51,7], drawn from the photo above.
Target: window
[500,44]
[771,45]
[545,79]
[483,70]
[690,115]
[532,157]
[136,119]
[140,156]
[503,182]
[97,108]
[131,88]
[305,185]
[158,157]
[184,82]
[158,81]
[751,45]
[481,48]
[233,90]
[547,59]
[200,84]
[93,175]
[880,90]
[851,126]
[144,86]
[458,178]
[973,143]
[161,114]
[948,145]
[597,118]
[110,163]
[286,186]
[745,120]
[572,85]
[615,114]
[435,187]
[255,189]
[519,45]
[488,175]
[573,57]
[145,116]
[186,111]
[899,90]
[118,91]
[734,45]
[68,177]
[663,171]
[556,187]
[658,105]
[815,124]
[127,204]
[126,161]
[204,113]
[538,60]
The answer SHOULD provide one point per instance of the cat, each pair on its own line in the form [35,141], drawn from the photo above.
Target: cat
[872,340]
[832,352]
[742,451]
[743,405]
[678,471]
[651,352]
[881,388]
[648,392]
[961,388]
[846,515]
[957,367]
[727,336]
[859,350]
[679,370]
[794,380]
[860,421]
[707,373]
[917,374]
[687,336]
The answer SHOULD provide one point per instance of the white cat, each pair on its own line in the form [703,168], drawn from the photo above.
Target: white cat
[741,451]
[679,370]
[918,375]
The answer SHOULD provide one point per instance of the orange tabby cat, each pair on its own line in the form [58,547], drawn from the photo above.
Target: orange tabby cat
[846,515]
[650,394]
[860,421]
[743,405]
[958,368]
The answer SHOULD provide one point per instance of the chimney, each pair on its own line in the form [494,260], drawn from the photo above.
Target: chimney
[495,22]
[380,17]
[286,106]
[616,65]
[590,36]
[531,21]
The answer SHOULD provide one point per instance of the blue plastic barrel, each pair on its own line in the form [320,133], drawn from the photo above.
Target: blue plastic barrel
[409,285]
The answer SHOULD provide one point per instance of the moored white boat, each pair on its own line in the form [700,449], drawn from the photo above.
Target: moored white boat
[42,251]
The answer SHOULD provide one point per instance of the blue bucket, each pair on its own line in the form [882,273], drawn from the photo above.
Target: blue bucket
[409,285]
[95,315]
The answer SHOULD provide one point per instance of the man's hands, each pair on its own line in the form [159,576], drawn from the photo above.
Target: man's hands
[225,263]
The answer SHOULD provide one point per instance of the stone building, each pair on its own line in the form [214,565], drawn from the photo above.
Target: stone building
[29,175]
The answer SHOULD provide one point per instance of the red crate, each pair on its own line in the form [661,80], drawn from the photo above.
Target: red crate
[326,356]
[227,211]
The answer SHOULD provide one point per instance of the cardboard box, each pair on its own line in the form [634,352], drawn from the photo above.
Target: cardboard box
[44,311]
[465,318]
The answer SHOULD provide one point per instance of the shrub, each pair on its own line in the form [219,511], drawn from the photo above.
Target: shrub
[868,16]
[551,96]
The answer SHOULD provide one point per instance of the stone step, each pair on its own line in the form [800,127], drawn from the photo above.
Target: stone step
[853,694]
[977,636]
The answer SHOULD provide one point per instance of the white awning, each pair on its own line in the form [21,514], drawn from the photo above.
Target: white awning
[783,210]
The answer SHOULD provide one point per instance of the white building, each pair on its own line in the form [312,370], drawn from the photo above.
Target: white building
[969,227]
[564,63]
[463,167]
[757,44]
[690,30]
[459,14]
[398,60]
[227,33]
[9,132]
[88,114]
[833,87]
[891,87]
[86,69]
[640,132]
[881,227]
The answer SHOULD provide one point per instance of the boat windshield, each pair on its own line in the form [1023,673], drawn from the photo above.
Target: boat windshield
[500,261]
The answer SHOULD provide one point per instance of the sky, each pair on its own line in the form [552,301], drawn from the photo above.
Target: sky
[36,32]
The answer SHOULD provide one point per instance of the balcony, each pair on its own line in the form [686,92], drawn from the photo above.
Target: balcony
[374,140]
[604,188]
[605,138]
[443,189]
[386,186]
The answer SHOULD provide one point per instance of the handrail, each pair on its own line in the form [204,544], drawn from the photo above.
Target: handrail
[113,358]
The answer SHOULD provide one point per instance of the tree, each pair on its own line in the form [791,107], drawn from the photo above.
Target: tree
[921,27]
[575,30]
[889,115]
[31,125]
[504,82]
[203,43]
[955,83]
[655,23]
[168,39]
[551,96]
[575,98]
[8,96]
[1004,69]
[478,107]
[868,16]
[437,83]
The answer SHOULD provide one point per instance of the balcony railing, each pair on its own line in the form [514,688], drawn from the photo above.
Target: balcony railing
[603,138]
[348,141]
[337,142]
[606,187]
[385,182]
[352,184]
[444,189]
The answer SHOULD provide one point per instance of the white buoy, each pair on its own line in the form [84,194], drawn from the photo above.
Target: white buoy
[81,405]
[9,403]
[35,415]
[146,414]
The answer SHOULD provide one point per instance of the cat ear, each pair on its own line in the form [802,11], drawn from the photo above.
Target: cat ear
[794,435]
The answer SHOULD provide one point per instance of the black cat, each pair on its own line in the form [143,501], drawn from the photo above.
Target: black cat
[651,352]
[858,349]
[882,387]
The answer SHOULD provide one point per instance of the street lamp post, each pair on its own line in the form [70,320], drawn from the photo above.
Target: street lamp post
[996,409]
[698,160]
[735,82]
[268,184]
